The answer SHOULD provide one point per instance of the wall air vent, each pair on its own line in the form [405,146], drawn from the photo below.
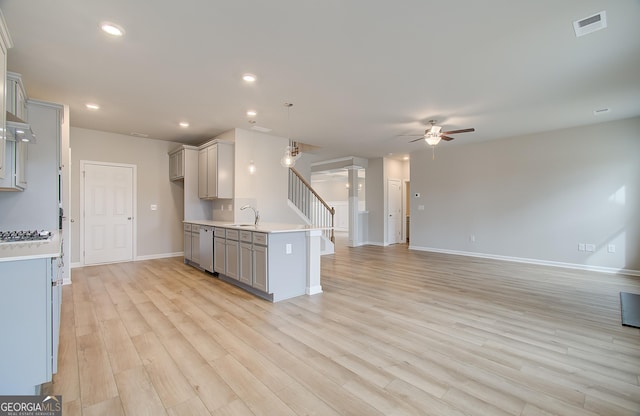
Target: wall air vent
[590,24]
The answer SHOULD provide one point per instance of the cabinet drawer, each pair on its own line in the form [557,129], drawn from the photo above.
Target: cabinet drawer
[219,232]
[245,236]
[260,238]
[232,234]
[187,227]
[195,228]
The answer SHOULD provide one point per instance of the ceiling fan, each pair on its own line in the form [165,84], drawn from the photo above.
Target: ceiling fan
[433,134]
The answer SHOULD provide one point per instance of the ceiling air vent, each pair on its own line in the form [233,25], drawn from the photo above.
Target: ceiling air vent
[590,24]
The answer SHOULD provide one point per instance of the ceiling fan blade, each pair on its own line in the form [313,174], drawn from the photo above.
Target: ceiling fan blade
[446,138]
[458,131]
[419,138]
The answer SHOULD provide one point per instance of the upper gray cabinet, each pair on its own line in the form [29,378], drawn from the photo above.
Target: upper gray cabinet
[16,96]
[15,148]
[215,170]
[5,43]
[176,164]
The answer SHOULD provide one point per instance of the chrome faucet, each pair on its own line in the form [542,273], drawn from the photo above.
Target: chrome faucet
[256,213]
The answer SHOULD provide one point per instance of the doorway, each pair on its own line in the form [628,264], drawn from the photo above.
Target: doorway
[107,195]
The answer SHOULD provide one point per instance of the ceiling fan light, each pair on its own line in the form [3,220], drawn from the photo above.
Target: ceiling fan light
[435,130]
[433,140]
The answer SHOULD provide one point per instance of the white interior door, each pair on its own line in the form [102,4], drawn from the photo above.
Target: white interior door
[394,210]
[108,191]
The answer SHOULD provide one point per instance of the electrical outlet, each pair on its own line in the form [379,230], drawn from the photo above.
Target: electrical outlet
[472,238]
[590,248]
[420,207]
[611,248]
[153,207]
[581,247]
[288,249]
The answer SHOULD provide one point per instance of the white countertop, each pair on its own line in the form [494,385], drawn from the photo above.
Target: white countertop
[261,227]
[32,250]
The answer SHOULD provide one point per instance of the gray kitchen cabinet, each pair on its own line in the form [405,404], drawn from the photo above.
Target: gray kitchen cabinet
[206,248]
[177,164]
[219,250]
[215,170]
[15,150]
[30,294]
[16,96]
[245,274]
[195,244]
[232,255]
[187,242]
[5,44]
[260,268]
[253,260]
[15,164]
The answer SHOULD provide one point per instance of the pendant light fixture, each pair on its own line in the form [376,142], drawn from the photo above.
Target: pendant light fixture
[291,152]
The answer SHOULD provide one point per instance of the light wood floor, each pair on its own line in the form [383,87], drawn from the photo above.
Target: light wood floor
[396,332]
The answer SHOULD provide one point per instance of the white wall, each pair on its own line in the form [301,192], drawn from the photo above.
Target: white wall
[159,232]
[534,197]
[267,188]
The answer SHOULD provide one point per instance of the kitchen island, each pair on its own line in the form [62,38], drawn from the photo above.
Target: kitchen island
[273,261]
[29,314]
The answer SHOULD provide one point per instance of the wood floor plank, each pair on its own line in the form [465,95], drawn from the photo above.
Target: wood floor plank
[122,353]
[96,377]
[137,393]
[395,331]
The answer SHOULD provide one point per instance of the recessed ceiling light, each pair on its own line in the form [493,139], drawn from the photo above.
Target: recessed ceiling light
[252,113]
[112,29]
[405,158]
[184,124]
[249,77]
[92,106]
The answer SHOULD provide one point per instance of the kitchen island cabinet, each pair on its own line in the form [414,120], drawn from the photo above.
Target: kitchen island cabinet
[273,261]
[30,299]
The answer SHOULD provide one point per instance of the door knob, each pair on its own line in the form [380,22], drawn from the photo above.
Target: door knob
[129,218]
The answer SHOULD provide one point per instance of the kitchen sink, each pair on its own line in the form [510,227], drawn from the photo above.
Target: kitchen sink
[241,225]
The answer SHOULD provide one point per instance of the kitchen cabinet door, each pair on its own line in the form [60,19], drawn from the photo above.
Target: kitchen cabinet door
[3,92]
[246,263]
[187,245]
[176,165]
[212,171]
[195,243]
[202,174]
[219,255]
[232,257]
[260,268]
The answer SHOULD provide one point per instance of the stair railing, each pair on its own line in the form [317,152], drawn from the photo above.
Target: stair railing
[307,200]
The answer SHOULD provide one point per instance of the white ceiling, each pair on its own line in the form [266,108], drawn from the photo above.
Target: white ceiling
[359,72]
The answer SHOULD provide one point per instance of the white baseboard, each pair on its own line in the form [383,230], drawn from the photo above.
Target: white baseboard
[314,290]
[374,243]
[142,258]
[159,256]
[610,270]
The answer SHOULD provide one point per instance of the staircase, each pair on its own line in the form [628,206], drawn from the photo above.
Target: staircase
[312,209]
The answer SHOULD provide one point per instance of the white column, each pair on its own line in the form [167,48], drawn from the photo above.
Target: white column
[354,232]
[313,262]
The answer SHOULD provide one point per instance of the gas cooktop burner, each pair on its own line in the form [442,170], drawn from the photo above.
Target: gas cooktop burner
[24,236]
